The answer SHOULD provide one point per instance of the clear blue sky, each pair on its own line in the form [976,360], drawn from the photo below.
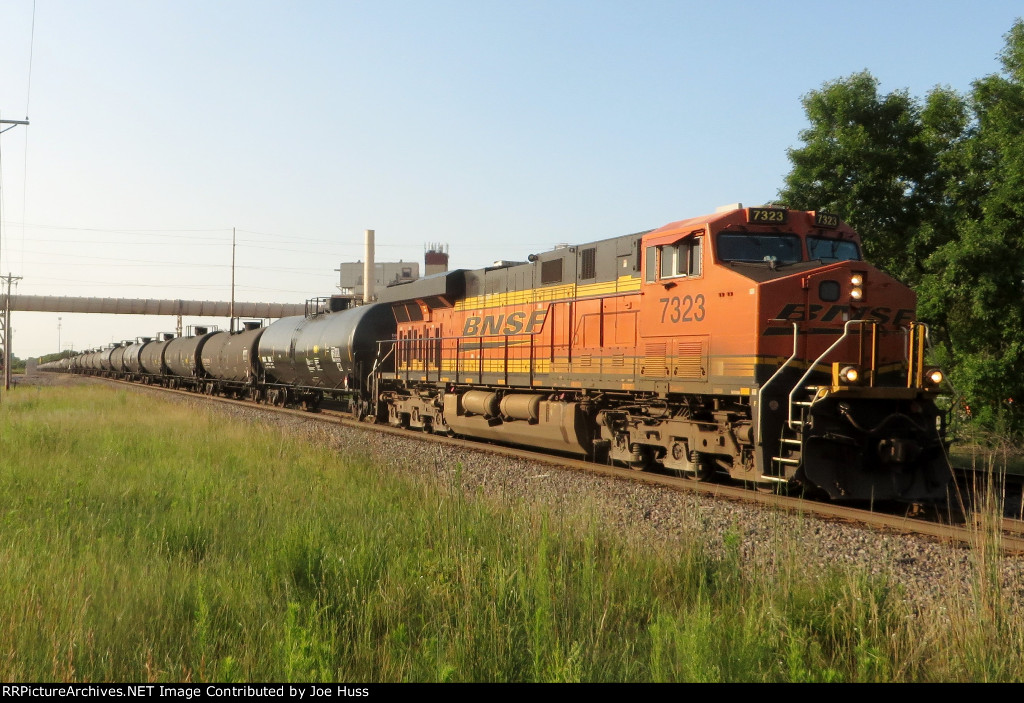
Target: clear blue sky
[499,128]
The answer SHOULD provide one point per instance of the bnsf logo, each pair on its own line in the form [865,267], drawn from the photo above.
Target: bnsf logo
[513,323]
[795,312]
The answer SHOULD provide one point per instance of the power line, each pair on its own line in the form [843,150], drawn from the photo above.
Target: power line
[31,52]
[28,98]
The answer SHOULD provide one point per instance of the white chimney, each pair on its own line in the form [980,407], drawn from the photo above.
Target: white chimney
[369,271]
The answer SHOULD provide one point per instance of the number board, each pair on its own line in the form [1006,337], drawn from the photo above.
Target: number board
[826,220]
[767,216]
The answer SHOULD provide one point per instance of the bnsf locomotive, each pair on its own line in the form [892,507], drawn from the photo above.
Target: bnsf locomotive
[754,342]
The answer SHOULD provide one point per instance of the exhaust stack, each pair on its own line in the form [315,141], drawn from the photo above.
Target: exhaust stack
[369,269]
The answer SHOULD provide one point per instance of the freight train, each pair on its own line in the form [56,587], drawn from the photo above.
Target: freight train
[754,343]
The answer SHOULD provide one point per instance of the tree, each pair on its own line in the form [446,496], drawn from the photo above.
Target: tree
[975,282]
[872,159]
[936,190]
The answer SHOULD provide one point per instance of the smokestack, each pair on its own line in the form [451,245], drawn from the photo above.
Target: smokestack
[369,270]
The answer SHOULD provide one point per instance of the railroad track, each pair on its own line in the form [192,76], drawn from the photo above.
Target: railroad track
[1006,534]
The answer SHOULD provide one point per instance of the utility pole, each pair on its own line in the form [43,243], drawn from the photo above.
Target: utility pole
[12,123]
[5,333]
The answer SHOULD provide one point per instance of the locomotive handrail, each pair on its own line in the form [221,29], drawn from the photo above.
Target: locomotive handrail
[918,339]
[778,371]
[814,364]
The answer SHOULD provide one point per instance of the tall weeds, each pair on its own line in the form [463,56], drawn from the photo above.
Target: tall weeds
[143,540]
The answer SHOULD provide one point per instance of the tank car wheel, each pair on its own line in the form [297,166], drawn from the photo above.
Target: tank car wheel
[311,403]
[358,409]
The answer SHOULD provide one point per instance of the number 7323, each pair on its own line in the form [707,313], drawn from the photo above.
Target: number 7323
[685,309]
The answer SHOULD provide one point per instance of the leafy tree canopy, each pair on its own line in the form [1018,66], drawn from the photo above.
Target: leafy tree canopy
[935,187]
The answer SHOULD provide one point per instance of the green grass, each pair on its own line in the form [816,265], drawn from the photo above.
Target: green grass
[143,540]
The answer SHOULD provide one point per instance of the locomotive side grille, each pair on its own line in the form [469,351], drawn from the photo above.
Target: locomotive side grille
[733,367]
[588,263]
[690,356]
[551,271]
[655,363]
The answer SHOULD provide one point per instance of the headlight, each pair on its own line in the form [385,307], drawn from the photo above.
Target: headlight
[857,279]
[849,374]
[935,376]
[857,293]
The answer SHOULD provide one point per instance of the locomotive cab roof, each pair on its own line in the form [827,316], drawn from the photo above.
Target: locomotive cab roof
[760,219]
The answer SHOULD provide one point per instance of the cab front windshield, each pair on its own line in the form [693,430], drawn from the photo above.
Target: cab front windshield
[748,248]
[829,250]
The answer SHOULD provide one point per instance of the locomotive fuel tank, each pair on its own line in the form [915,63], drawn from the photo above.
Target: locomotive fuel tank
[332,350]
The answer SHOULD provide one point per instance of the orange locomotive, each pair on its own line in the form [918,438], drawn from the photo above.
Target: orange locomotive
[754,341]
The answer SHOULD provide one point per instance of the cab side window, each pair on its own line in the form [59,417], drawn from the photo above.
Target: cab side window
[676,260]
[651,265]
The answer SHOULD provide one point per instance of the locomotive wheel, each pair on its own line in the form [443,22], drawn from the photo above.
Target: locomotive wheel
[641,459]
[703,467]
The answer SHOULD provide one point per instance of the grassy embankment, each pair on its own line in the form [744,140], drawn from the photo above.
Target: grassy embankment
[146,541]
